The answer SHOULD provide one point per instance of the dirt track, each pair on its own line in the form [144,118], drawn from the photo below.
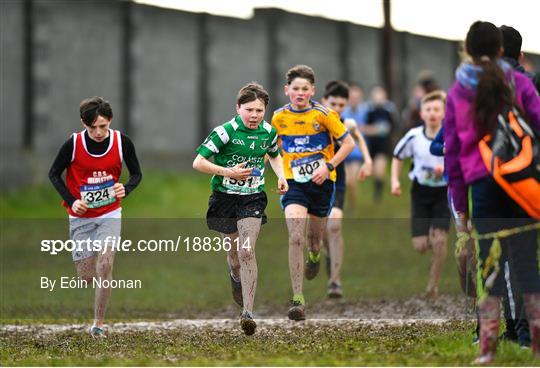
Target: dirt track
[328,314]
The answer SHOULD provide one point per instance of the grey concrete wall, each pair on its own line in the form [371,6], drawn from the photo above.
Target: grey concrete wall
[14,165]
[424,53]
[11,73]
[363,60]
[165,87]
[236,56]
[77,56]
[80,50]
[311,41]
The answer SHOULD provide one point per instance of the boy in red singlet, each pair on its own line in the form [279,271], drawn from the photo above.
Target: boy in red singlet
[92,193]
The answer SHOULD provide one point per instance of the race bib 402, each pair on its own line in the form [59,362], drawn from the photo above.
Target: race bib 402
[304,167]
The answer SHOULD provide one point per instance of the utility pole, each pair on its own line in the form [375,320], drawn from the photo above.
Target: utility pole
[386,50]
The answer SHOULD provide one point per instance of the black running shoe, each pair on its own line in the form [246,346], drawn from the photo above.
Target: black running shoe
[247,323]
[312,269]
[236,287]
[296,312]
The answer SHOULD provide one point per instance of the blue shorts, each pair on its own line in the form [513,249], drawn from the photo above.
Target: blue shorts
[354,156]
[318,199]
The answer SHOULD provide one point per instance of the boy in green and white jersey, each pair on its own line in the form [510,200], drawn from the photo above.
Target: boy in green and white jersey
[236,206]
[233,143]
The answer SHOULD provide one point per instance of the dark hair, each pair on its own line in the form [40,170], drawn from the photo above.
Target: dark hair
[483,43]
[251,92]
[91,108]
[426,80]
[511,42]
[536,80]
[337,89]
[300,71]
[355,85]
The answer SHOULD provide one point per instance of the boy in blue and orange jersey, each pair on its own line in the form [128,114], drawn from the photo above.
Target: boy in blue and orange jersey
[307,131]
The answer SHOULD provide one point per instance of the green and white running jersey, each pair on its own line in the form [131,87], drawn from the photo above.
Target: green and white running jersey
[232,143]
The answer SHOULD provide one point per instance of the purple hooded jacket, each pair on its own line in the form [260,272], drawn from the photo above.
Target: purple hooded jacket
[463,162]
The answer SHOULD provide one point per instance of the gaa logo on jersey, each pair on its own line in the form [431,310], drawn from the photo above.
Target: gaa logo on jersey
[264,144]
[238,141]
[316,126]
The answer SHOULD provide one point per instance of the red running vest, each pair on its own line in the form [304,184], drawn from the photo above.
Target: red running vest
[92,177]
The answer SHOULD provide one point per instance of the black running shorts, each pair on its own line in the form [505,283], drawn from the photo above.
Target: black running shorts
[429,209]
[224,210]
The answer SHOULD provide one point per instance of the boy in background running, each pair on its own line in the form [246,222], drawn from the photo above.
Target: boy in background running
[430,217]
[336,96]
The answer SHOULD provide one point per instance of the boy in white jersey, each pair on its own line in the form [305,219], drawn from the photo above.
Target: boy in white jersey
[430,217]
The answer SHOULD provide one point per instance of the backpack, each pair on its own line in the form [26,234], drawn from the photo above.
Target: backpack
[512,156]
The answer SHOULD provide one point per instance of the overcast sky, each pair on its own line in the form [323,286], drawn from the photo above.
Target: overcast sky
[447,19]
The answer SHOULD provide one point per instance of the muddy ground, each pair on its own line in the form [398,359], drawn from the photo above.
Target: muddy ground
[327,314]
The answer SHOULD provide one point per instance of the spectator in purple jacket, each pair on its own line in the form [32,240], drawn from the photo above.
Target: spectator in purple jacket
[480,92]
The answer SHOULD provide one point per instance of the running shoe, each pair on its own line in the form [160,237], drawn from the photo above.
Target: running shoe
[296,312]
[247,323]
[236,287]
[97,332]
[334,290]
[432,293]
[484,359]
[312,268]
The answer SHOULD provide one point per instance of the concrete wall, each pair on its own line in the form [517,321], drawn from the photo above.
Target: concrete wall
[171,76]
[363,60]
[164,53]
[77,56]
[311,41]
[236,56]
[11,72]
[13,168]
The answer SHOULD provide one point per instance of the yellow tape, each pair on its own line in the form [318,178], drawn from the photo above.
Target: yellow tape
[495,251]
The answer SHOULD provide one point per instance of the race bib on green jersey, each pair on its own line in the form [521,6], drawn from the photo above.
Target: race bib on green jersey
[247,186]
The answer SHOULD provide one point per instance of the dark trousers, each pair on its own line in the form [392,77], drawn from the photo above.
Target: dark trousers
[517,326]
[493,210]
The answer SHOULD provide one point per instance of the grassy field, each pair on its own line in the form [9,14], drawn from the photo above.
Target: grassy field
[380,261]
[416,345]
[379,265]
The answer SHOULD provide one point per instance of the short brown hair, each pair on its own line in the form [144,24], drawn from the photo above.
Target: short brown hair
[91,108]
[433,96]
[251,92]
[300,71]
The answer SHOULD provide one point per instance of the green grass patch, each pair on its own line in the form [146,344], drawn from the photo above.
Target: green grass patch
[416,345]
